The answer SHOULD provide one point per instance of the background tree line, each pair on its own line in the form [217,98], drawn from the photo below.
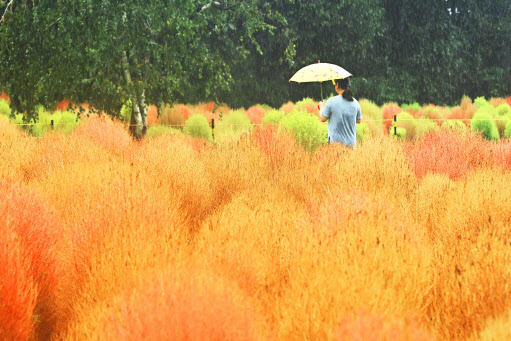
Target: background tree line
[242,52]
[397,50]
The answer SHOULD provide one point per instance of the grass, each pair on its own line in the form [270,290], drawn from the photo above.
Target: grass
[254,237]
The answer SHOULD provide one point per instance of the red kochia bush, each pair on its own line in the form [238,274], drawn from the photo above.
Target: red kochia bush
[389,110]
[17,291]
[152,115]
[276,145]
[256,114]
[448,152]
[3,95]
[502,154]
[508,100]
[195,307]
[41,239]
[110,134]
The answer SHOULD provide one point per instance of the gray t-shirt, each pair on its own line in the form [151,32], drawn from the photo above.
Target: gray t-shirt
[342,118]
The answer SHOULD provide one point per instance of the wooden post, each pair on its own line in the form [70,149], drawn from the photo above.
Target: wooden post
[395,126]
[213,128]
[52,125]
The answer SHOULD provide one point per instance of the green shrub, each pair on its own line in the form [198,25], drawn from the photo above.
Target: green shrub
[158,130]
[456,125]
[370,111]
[507,132]
[483,122]
[481,102]
[233,125]
[306,128]
[5,109]
[415,107]
[504,109]
[363,132]
[425,125]
[406,121]
[273,117]
[401,132]
[197,125]
[125,114]
[65,121]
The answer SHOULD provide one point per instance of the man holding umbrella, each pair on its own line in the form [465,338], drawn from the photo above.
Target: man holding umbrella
[343,113]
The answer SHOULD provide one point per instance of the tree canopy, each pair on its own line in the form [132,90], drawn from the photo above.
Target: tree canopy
[103,52]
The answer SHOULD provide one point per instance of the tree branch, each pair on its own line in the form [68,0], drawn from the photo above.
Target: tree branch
[6,9]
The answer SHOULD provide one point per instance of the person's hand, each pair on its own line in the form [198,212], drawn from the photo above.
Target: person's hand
[321,106]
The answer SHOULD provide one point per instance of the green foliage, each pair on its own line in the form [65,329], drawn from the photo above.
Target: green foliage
[370,111]
[425,125]
[413,107]
[363,132]
[198,126]
[125,113]
[233,125]
[406,121]
[64,121]
[158,130]
[483,122]
[456,125]
[306,128]
[5,109]
[503,109]
[273,117]
[481,102]
[507,132]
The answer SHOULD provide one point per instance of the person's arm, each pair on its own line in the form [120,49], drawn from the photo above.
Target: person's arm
[324,112]
[359,114]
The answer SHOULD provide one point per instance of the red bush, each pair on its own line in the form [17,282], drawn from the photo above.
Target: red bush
[62,106]
[17,291]
[448,152]
[508,100]
[276,145]
[3,95]
[287,107]
[152,115]
[312,108]
[110,134]
[389,110]
[189,308]
[502,154]
[457,113]
[256,114]
[41,239]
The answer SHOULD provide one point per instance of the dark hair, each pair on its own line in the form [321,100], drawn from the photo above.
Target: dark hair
[345,84]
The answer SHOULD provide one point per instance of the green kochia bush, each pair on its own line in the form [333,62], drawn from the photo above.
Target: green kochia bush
[363,132]
[408,126]
[413,107]
[64,121]
[233,125]
[273,117]
[157,130]
[483,122]
[425,125]
[5,109]
[507,132]
[197,125]
[306,128]
[456,125]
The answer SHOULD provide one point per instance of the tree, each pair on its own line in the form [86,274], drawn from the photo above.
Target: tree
[105,52]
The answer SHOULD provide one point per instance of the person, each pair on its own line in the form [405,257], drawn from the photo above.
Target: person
[342,112]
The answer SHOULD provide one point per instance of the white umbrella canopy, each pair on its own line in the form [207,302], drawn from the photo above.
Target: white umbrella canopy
[320,72]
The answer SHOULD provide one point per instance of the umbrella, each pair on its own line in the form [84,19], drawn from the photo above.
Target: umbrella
[319,72]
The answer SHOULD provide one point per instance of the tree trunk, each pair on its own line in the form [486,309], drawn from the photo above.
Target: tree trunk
[138,122]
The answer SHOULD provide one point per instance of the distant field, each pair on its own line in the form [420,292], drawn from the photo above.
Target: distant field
[263,233]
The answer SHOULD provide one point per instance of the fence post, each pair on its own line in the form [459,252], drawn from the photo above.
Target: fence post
[51,124]
[395,126]
[213,128]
